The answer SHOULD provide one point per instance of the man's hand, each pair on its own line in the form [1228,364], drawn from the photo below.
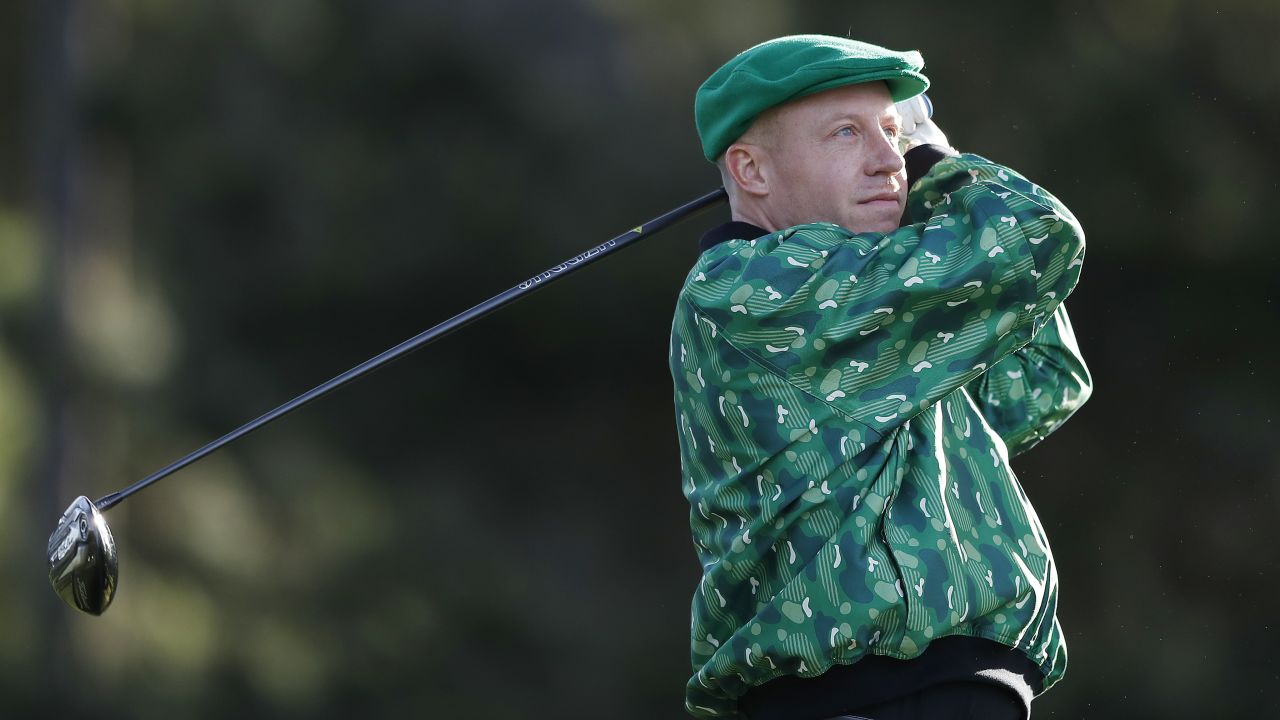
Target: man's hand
[918,128]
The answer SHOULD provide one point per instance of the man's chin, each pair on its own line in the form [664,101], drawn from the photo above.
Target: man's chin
[881,221]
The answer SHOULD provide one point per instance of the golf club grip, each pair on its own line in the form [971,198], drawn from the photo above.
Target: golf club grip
[460,320]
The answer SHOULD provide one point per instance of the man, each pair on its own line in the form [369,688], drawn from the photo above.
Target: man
[848,395]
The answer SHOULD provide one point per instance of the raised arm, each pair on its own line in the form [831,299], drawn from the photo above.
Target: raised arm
[881,326]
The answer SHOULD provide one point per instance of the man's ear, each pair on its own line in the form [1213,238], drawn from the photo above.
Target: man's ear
[747,164]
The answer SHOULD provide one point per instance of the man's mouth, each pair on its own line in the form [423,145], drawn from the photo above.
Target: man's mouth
[882,197]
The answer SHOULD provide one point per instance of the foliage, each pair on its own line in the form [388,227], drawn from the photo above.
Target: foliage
[260,195]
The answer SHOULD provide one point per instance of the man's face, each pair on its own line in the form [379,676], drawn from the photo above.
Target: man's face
[833,157]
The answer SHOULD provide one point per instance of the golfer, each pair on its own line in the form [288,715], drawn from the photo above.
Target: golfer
[849,393]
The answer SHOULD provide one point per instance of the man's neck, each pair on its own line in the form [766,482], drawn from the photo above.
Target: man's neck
[754,216]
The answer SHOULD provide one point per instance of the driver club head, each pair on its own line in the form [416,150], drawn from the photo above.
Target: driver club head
[83,567]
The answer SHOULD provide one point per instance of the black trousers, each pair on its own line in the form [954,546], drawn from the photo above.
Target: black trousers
[949,701]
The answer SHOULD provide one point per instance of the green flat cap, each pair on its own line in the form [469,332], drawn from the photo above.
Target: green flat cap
[787,68]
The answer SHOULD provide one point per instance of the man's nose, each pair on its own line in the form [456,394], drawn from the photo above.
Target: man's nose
[885,157]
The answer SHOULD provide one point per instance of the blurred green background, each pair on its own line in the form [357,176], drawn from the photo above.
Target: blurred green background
[208,207]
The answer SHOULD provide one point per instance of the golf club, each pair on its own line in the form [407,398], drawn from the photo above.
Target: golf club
[83,565]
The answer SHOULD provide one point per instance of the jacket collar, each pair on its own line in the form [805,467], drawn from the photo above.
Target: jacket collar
[735,230]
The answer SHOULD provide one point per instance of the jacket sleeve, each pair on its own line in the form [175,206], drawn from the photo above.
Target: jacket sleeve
[1032,391]
[880,326]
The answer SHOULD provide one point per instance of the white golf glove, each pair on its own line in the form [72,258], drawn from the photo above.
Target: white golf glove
[918,128]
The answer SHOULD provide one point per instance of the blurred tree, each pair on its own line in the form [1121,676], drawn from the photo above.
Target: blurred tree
[259,195]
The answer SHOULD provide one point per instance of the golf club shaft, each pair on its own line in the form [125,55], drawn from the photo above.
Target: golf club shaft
[464,318]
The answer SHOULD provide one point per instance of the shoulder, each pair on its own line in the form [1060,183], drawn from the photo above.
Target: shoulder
[776,265]
[798,239]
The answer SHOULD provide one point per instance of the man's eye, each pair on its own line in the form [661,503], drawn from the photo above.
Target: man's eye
[845,131]
[892,131]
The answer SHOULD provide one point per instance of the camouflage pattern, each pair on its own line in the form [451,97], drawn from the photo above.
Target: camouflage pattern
[847,405]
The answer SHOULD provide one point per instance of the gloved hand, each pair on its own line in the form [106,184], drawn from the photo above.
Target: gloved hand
[918,127]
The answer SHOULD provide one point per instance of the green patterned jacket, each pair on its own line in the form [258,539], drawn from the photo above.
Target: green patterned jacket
[847,406]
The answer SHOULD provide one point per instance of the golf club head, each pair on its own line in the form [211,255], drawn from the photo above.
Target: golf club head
[83,567]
